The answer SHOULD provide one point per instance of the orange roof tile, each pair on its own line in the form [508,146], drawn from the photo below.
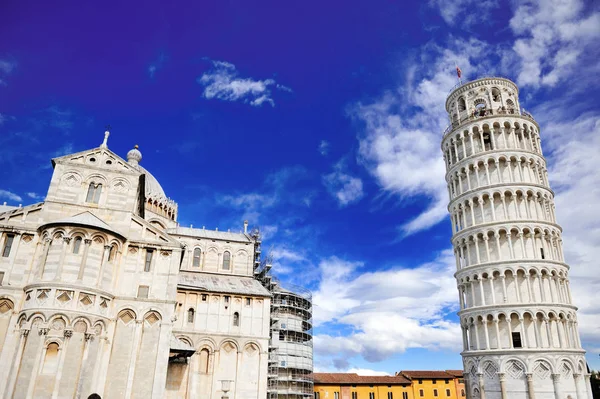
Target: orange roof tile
[355,379]
[455,373]
[426,374]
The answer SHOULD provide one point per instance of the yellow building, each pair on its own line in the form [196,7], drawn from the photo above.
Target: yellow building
[353,386]
[434,384]
[459,382]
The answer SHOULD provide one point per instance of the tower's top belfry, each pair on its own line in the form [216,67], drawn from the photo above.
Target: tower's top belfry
[482,97]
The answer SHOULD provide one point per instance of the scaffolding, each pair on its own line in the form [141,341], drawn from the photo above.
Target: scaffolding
[290,374]
[290,370]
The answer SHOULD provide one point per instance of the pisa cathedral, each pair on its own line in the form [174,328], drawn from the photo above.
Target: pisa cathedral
[519,323]
[102,291]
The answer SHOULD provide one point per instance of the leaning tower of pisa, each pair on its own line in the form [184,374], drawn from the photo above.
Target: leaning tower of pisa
[519,324]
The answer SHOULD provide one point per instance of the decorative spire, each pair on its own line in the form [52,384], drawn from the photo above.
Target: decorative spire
[106,134]
[134,156]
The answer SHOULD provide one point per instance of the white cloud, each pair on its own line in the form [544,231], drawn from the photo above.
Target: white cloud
[286,254]
[388,311]
[464,12]
[156,65]
[324,147]
[344,188]
[400,145]
[554,35]
[7,66]
[10,195]
[223,82]
[34,196]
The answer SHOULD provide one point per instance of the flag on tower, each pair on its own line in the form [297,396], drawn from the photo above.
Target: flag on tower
[458,72]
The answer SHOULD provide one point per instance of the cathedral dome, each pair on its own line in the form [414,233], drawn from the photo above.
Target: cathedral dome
[153,187]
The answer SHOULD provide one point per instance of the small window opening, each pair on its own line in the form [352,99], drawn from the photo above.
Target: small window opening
[148,262]
[1,278]
[196,261]
[371,395]
[10,238]
[448,392]
[190,315]
[143,291]
[204,297]
[93,194]
[112,253]
[108,162]
[226,260]
[92,160]
[227,299]
[487,142]
[434,381]
[516,337]
[542,253]
[390,395]
[77,245]
[236,319]
[435,392]
[248,301]
[421,393]
[51,360]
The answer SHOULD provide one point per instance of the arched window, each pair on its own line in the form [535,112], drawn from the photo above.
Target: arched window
[204,354]
[496,94]
[510,105]
[226,260]
[51,359]
[236,319]
[112,253]
[191,315]
[77,245]
[196,261]
[461,104]
[93,194]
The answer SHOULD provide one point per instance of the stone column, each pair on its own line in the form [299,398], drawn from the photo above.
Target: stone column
[476,241]
[556,382]
[588,386]
[486,333]
[492,289]
[497,328]
[14,370]
[502,379]
[487,247]
[477,343]
[83,369]
[43,331]
[47,244]
[503,278]
[530,388]
[102,264]
[86,249]
[481,385]
[62,350]
[135,347]
[61,261]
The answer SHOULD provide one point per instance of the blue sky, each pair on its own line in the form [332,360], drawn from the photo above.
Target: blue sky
[320,122]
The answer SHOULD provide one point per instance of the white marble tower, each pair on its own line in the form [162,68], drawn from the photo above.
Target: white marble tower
[519,324]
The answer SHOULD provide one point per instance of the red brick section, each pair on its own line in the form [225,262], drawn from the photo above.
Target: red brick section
[355,379]
[426,375]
